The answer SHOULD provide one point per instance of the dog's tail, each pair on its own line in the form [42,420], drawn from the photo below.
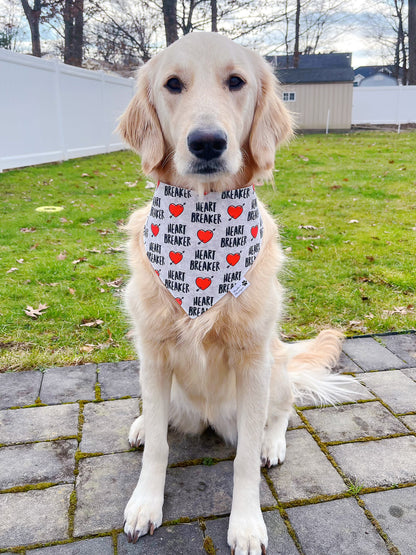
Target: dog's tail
[309,366]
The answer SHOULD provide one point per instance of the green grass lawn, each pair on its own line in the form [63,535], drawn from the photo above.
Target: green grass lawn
[346,205]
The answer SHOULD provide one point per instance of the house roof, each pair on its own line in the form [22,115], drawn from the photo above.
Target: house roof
[314,68]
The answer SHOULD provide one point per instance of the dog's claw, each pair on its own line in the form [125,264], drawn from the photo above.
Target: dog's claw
[263,549]
[232,551]
[152,528]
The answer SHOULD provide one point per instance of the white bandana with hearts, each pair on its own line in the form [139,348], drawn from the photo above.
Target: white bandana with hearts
[201,247]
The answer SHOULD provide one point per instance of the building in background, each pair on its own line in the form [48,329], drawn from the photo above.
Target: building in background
[318,91]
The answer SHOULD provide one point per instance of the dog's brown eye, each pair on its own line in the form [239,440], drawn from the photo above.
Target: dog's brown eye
[174,85]
[235,83]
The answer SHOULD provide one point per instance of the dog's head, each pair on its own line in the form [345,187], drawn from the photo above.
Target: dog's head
[206,110]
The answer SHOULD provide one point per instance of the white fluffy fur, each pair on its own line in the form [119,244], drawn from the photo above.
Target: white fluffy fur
[227,368]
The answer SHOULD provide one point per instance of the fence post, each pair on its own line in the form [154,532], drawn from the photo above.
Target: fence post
[59,113]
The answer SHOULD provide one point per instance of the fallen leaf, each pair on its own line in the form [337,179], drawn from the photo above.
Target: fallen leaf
[87,348]
[307,227]
[33,247]
[35,312]
[105,231]
[116,283]
[94,250]
[62,255]
[28,229]
[79,260]
[89,221]
[84,175]
[149,185]
[304,158]
[111,250]
[11,270]
[130,183]
[370,258]
[71,291]
[353,222]
[91,323]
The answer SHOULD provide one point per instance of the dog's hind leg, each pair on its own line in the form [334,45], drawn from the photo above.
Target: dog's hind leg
[273,449]
[143,512]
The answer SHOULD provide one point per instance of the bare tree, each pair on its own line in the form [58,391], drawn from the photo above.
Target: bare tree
[73,14]
[412,42]
[297,31]
[214,16]
[170,20]
[33,18]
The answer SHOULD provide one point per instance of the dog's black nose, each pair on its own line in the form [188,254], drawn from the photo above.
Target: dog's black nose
[207,144]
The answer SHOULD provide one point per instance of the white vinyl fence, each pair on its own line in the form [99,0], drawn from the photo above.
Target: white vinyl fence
[50,111]
[384,105]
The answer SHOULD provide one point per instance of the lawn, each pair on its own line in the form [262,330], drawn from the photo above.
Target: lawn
[346,205]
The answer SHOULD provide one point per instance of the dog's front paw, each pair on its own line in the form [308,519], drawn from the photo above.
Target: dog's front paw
[136,433]
[247,535]
[141,516]
[273,450]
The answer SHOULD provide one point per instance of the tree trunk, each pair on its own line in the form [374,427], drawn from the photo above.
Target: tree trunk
[214,16]
[74,31]
[169,16]
[33,16]
[296,53]
[411,76]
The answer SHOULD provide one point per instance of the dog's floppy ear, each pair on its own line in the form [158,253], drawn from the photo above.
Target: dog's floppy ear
[272,123]
[139,125]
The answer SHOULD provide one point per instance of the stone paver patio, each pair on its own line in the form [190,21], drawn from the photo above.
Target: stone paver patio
[348,485]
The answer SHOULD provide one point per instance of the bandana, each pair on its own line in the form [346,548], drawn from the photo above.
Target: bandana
[202,246]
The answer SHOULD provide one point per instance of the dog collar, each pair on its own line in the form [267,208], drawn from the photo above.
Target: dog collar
[201,247]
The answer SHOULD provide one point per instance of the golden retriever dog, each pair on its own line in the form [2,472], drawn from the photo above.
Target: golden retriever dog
[206,119]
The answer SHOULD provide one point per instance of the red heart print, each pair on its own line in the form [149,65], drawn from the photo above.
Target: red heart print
[203,283]
[178,300]
[254,231]
[235,211]
[157,272]
[176,209]
[232,259]
[205,236]
[155,229]
[176,257]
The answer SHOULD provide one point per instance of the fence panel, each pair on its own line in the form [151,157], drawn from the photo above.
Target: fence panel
[384,105]
[50,111]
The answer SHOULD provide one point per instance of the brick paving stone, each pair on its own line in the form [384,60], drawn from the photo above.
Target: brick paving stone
[38,423]
[37,462]
[410,372]
[306,471]
[119,379]
[370,355]
[345,364]
[187,448]
[280,542]
[295,421]
[181,539]
[34,516]
[95,546]
[68,384]
[394,388]
[18,389]
[409,421]
[349,422]
[335,527]
[106,425]
[378,463]
[402,345]
[203,491]
[104,485]
[395,511]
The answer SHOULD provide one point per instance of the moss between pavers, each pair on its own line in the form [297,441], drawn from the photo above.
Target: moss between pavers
[209,545]
[30,487]
[390,546]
